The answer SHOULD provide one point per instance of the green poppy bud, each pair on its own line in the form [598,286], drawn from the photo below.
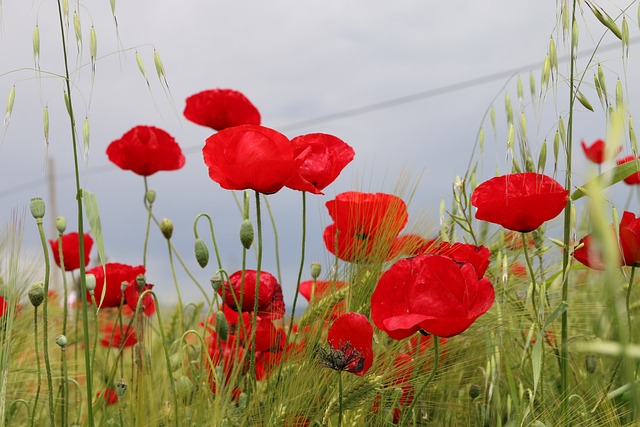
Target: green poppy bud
[61,224]
[61,340]
[185,389]
[246,233]
[166,226]
[316,269]
[222,327]
[37,207]
[151,196]
[202,253]
[36,293]
[90,282]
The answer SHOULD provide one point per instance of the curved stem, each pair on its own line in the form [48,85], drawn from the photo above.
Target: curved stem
[35,329]
[45,330]
[213,235]
[432,374]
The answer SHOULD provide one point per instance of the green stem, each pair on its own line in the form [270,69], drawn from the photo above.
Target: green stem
[175,281]
[65,388]
[339,398]
[254,320]
[532,273]
[564,345]
[76,165]
[432,374]
[45,309]
[149,206]
[628,306]
[275,236]
[35,329]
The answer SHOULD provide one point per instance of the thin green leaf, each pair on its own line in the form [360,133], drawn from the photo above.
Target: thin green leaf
[607,178]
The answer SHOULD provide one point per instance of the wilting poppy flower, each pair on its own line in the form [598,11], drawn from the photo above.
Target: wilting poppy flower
[350,347]
[326,156]
[117,336]
[590,254]
[430,293]
[520,202]
[251,157]
[132,295]
[109,395]
[146,150]
[111,284]
[634,178]
[596,152]
[71,250]
[220,109]
[478,256]
[365,225]
[270,300]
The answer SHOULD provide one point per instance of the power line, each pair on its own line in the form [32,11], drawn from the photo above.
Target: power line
[357,111]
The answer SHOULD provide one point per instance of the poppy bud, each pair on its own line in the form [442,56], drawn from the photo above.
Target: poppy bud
[61,224]
[37,207]
[124,285]
[151,196]
[216,282]
[202,253]
[222,327]
[316,268]
[121,387]
[36,293]
[90,282]
[166,226]
[474,391]
[591,363]
[176,361]
[246,233]
[185,389]
[61,340]
[242,401]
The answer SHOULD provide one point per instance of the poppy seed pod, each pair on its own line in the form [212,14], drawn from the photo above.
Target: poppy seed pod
[474,391]
[121,387]
[166,226]
[151,196]
[216,282]
[246,233]
[36,293]
[61,340]
[316,269]
[61,224]
[141,281]
[202,253]
[37,207]
[90,282]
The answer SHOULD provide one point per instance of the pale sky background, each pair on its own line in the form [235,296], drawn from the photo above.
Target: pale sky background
[296,60]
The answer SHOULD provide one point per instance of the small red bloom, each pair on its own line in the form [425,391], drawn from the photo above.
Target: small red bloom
[71,250]
[146,150]
[326,156]
[351,350]
[251,157]
[596,152]
[629,232]
[590,254]
[520,202]
[365,225]
[320,290]
[132,295]
[220,109]
[122,335]
[634,178]
[111,285]
[430,293]
[270,299]
[109,395]
[3,306]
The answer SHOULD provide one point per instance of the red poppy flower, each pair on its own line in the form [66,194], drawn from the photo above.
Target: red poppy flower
[71,250]
[520,202]
[269,338]
[596,152]
[411,245]
[146,150]
[109,395]
[365,225]
[430,293]
[326,156]
[123,335]
[518,269]
[629,232]
[634,178]
[111,284]
[3,307]
[251,157]
[132,295]
[351,350]
[478,256]
[270,299]
[220,109]
[590,254]
[320,289]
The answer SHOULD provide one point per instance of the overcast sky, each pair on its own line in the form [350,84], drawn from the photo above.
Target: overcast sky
[296,60]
